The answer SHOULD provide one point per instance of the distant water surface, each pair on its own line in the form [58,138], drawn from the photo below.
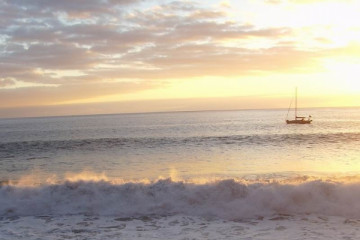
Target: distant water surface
[182,145]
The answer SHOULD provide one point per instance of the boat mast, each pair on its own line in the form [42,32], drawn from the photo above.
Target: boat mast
[296,103]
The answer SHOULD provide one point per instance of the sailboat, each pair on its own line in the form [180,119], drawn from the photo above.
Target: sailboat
[297,119]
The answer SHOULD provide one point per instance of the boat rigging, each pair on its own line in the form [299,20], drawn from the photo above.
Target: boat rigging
[298,119]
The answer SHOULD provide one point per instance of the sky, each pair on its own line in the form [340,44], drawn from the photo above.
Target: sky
[73,57]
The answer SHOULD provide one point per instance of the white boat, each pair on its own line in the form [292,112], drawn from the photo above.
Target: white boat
[298,119]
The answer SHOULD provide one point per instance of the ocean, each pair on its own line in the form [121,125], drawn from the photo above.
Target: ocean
[181,175]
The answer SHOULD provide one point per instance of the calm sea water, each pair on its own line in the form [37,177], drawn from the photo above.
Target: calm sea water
[182,145]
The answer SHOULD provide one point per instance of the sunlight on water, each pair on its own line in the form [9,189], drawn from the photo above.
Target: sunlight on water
[189,145]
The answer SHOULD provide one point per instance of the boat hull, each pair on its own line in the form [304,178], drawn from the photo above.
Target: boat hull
[298,121]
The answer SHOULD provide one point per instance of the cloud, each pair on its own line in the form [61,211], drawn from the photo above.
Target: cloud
[225,4]
[37,96]
[274,1]
[6,82]
[54,56]
[69,6]
[301,1]
[140,40]
[90,48]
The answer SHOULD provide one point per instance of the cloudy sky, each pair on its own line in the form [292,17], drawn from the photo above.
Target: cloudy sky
[109,56]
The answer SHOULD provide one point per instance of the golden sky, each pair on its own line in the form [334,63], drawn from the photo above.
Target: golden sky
[108,56]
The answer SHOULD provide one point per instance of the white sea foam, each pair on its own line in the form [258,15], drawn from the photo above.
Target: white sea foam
[178,227]
[225,199]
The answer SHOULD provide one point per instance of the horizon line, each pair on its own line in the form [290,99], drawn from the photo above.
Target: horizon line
[175,111]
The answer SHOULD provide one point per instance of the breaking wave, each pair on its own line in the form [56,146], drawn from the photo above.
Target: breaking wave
[226,199]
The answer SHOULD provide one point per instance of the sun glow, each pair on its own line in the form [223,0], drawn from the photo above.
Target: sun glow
[346,74]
